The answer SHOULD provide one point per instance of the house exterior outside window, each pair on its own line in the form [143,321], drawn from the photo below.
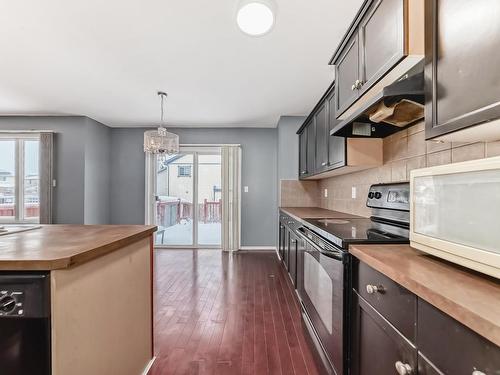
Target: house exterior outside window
[184,171]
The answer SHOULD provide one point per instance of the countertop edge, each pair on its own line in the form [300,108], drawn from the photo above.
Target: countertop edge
[438,300]
[333,214]
[100,251]
[70,261]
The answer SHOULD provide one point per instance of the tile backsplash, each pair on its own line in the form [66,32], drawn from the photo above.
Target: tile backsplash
[295,193]
[403,152]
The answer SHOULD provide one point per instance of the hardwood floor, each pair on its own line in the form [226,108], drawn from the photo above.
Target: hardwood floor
[217,313]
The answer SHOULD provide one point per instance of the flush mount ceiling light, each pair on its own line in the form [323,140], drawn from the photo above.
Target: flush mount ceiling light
[160,141]
[256,17]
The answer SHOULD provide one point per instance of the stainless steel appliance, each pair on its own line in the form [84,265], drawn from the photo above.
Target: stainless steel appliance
[455,211]
[323,267]
[24,323]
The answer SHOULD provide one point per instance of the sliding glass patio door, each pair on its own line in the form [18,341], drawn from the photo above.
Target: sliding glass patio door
[187,204]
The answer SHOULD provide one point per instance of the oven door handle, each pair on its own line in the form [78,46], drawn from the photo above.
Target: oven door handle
[335,254]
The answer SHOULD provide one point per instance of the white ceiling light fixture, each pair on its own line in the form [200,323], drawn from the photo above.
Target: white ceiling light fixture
[160,141]
[256,17]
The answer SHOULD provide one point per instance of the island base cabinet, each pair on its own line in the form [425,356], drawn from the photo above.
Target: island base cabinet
[102,314]
[377,347]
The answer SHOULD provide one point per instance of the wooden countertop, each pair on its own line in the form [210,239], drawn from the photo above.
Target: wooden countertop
[62,246]
[316,213]
[469,297]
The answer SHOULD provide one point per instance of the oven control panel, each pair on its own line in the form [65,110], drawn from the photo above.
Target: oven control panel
[11,302]
[390,196]
[24,295]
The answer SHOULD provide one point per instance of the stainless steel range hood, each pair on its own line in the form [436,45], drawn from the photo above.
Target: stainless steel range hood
[395,107]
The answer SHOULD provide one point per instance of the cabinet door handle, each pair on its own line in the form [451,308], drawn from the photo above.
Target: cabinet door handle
[372,289]
[293,241]
[323,164]
[403,368]
[353,87]
[291,222]
[477,372]
[303,172]
[359,84]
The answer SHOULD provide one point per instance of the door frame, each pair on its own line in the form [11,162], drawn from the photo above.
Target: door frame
[151,181]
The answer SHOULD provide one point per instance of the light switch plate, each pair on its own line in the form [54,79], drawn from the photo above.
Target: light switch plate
[245,189]
[353,192]
[326,193]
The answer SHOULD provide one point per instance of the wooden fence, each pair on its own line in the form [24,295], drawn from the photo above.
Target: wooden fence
[31,210]
[210,212]
[171,213]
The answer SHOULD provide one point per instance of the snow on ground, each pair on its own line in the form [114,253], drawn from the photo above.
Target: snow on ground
[182,234]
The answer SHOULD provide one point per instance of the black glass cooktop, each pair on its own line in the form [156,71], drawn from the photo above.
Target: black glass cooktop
[342,232]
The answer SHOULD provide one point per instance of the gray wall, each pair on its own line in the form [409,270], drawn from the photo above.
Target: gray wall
[97,167]
[100,172]
[288,147]
[68,205]
[81,165]
[259,173]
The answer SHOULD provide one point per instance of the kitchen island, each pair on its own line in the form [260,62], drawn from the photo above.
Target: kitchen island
[99,294]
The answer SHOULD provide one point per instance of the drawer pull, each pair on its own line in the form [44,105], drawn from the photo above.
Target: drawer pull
[293,241]
[291,222]
[477,372]
[403,368]
[372,289]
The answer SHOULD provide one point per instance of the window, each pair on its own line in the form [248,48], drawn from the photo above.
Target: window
[184,171]
[19,178]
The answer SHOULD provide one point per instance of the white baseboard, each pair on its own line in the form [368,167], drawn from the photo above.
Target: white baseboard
[148,366]
[258,248]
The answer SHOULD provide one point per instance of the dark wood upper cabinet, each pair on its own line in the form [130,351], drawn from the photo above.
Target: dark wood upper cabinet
[347,76]
[383,33]
[303,154]
[381,36]
[462,67]
[321,155]
[336,145]
[322,135]
[311,147]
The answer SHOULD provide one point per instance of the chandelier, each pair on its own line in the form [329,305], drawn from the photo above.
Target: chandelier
[160,141]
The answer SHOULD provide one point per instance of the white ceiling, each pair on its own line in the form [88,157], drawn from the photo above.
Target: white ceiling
[107,58]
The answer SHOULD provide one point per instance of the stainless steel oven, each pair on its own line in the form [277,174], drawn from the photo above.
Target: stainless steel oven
[322,285]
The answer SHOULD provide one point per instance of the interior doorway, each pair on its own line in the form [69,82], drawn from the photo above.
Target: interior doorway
[186,198]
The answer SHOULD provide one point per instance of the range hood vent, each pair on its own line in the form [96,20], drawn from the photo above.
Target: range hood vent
[396,107]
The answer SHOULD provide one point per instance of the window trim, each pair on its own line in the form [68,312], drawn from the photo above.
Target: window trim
[19,205]
[190,168]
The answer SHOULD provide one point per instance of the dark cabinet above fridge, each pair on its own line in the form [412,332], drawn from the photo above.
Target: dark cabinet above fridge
[462,70]
[383,46]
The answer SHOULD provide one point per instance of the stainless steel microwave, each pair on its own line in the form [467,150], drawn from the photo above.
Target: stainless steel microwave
[455,213]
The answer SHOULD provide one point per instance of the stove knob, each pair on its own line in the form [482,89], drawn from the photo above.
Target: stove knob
[378,195]
[371,195]
[7,304]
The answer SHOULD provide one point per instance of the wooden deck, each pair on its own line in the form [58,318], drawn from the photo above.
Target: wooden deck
[222,314]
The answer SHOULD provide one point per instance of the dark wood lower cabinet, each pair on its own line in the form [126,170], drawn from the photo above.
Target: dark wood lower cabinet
[377,347]
[425,367]
[453,348]
[383,341]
